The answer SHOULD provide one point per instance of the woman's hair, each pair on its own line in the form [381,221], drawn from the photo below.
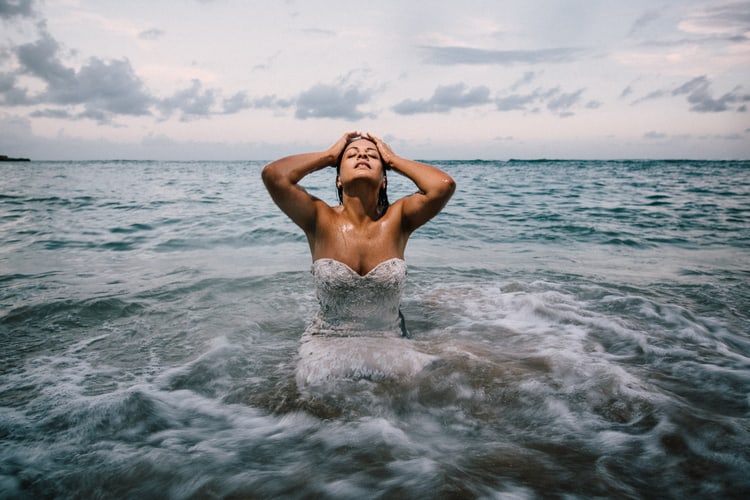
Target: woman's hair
[383,202]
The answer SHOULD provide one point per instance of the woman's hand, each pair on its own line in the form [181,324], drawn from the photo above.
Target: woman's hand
[282,178]
[435,187]
[338,147]
[386,154]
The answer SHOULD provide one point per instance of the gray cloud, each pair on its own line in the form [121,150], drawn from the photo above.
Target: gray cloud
[448,97]
[556,101]
[524,80]
[561,103]
[656,94]
[53,113]
[444,99]
[724,137]
[151,34]
[731,18]
[12,95]
[111,87]
[319,32]
[101,90]
[516,102]
[271,102]
[645,19]
[469,55]
[654,135]
[13,8]
[699,96]
[333,101]
[240,101]
[88,113]
[40,59]
[192,102]
[728,23]
[105,88]
[236,103]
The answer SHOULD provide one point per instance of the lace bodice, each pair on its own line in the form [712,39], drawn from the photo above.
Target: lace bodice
[358,331]
[355,305]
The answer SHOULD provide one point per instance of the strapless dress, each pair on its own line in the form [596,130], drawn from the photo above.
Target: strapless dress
[358,330]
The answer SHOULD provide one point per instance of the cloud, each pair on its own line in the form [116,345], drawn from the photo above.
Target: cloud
[524,80]
[333,101]
[271,102]
[444,99]
[104,88]
[468,55]
[654,135]
[40,59]
[151,34]
[561,103]
[192,102]
[101,90]
[57,113]
[236,103]
[319,32]
[16,8]
[12,95]
[722,137]
[728,23]
[699,96]
[656,94]
[594,104]
[515,102]
[108,86]
[729,20]
[556,101]
[645,19]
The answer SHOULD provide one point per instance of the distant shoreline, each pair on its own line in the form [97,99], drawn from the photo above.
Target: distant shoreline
[8,158]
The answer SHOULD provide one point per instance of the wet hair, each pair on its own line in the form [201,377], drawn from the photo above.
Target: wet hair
[383,202]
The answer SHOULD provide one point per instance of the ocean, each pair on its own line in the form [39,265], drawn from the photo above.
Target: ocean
[597,314]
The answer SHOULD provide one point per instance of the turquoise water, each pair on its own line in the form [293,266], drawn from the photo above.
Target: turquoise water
[598,316]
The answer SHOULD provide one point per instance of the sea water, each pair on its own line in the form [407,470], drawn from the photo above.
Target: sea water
[593,318]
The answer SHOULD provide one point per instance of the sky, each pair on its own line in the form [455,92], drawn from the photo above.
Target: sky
[438,79]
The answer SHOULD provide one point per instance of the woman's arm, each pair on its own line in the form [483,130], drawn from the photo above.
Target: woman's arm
[282,178]
[435,187]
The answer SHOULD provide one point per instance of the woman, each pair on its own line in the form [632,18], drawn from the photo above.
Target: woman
[357,250]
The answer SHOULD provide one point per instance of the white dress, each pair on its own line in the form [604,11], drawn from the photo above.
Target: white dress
[358,331]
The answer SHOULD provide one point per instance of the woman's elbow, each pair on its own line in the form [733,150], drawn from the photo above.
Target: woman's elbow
[269,175]
[447,186]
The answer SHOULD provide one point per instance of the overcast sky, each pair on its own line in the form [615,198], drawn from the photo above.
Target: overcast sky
[244,79]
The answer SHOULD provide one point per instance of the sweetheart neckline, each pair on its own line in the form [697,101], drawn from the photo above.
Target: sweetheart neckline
[347,266]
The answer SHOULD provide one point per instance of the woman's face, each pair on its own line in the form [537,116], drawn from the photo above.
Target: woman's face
[361,159]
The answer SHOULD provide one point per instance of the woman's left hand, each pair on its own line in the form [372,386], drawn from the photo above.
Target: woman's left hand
[386,154]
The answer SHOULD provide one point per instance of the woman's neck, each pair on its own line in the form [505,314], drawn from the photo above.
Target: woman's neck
[361,206]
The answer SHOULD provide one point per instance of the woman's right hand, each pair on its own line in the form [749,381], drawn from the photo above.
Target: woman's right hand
[335,151]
